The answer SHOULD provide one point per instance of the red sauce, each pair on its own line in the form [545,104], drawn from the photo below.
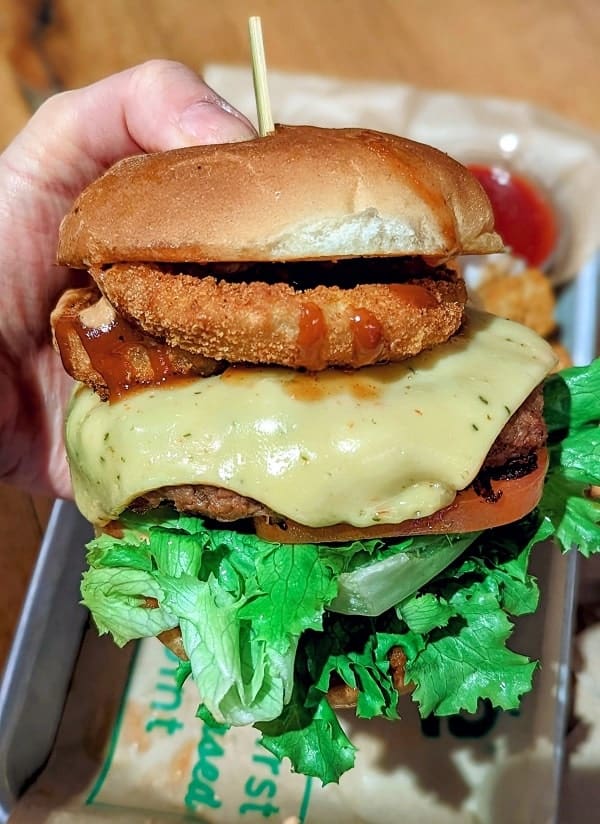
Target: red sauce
[413,295]
[367,337]
[524,217]
[311,336]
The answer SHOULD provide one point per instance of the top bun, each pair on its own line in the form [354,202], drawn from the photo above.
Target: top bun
[300,193]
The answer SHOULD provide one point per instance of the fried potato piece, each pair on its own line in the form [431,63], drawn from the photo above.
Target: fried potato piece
[257,322]
[172,639]
[80,321]
[526,297]
[340,695]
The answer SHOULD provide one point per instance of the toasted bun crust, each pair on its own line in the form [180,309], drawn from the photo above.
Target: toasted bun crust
[300,193]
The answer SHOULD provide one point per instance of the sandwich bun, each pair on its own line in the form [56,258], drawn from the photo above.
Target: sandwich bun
[310,195]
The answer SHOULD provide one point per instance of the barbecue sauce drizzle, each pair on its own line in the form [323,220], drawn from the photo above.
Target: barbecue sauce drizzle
[312,332]
[367,331]
[111,349]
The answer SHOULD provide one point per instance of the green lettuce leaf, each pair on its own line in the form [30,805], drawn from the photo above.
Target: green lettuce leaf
[572,398]
[264,649]
[572,413]
[116,597]
[284,607]
[425,612]
[312,738]
[453,634]
[464,658]
[354,651]
[241,604]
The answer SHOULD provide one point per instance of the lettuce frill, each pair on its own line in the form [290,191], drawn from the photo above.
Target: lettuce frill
[262,646]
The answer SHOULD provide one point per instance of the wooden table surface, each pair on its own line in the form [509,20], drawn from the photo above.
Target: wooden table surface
[543,51]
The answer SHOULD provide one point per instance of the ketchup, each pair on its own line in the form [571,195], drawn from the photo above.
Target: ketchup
[524,218]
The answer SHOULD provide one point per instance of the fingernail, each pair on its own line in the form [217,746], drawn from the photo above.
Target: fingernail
[208,122]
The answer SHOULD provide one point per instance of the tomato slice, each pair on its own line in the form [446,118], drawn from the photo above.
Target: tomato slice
[469,512]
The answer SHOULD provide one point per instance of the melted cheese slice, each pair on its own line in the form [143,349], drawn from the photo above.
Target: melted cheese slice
[381,444]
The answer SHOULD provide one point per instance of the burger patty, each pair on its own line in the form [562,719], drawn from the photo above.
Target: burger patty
[210,501]
[524,433]
[510,455]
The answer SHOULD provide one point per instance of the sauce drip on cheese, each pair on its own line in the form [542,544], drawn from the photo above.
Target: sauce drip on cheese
[381,444]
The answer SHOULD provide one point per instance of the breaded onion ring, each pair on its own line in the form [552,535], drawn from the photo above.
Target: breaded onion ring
[102,350]
[265,323]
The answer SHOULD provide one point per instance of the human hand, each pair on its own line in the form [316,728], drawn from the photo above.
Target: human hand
[71,140]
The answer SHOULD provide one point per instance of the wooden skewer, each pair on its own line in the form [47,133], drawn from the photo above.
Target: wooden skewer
[259,75]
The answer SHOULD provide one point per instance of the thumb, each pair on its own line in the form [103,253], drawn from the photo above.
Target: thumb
[168,106]
[155,106]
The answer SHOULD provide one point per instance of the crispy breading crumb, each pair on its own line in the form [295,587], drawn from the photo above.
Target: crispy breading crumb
[260,322]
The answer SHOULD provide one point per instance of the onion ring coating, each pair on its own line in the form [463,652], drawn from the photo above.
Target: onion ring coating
[264,323]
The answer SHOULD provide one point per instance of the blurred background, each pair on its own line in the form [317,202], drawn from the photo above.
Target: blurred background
[541,51]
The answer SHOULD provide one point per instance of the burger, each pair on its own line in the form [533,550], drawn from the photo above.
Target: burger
[314,471]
